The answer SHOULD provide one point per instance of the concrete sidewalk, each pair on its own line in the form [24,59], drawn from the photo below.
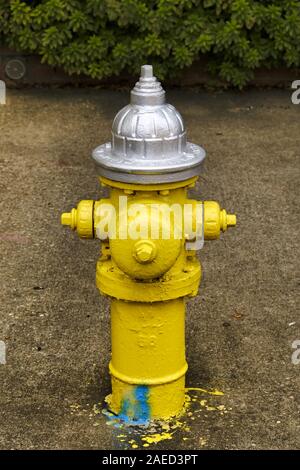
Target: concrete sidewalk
[240,327]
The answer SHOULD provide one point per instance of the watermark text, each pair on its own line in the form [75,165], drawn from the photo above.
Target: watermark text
[2,353]
[296,94]
[296,354]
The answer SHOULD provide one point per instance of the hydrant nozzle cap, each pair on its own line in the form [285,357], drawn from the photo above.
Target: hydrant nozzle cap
[66,218]
[226,220]
[231,220]
[69,218]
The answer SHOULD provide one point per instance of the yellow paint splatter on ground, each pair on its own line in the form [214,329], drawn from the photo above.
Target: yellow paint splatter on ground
[75,406]
[78,409]
[208,407]
[202,390]
[179,428]
[155,438]
[96,409]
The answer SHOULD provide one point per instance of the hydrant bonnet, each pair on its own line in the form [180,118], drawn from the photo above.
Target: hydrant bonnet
[148,139]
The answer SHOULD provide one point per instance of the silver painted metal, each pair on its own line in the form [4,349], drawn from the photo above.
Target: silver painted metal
[148,143]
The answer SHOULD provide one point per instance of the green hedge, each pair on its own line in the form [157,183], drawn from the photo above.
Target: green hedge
[101,38]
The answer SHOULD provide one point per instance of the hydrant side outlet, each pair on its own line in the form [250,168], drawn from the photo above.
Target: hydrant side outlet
[150,232]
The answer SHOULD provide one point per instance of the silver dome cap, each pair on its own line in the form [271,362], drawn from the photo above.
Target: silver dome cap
[148,144]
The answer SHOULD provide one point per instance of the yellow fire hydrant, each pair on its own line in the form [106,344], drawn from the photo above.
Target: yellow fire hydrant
[150,233]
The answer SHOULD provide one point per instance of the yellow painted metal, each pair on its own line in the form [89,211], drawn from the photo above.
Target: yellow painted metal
[142,352]
[163,401]
[148,280]
[81,219]
[144,251]
[148,348]
[190,183]
[181,280]
[216,220]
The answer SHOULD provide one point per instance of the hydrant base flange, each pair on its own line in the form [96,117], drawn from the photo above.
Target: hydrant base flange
[111,281]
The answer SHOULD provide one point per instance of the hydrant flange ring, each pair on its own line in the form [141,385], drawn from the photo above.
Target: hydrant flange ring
[159,170]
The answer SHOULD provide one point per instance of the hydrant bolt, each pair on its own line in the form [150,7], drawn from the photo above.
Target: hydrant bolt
[227,220]
[231,220]
[70,218]
[144,251]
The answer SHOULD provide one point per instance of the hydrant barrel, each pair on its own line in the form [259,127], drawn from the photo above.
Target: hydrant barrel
[148,349]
